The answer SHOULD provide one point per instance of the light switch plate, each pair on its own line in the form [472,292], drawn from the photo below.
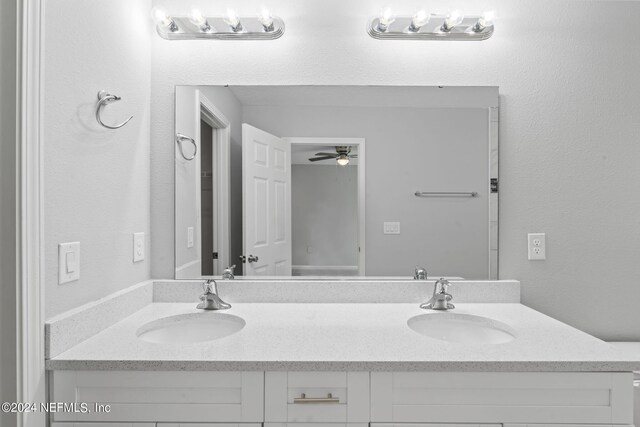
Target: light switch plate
[138,247]
[68,262]
[537,246]
[189,237]
[391,228]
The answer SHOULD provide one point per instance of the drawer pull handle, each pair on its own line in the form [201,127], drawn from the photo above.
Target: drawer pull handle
[304,399]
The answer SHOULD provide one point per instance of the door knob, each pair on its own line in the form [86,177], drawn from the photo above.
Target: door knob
[252,258]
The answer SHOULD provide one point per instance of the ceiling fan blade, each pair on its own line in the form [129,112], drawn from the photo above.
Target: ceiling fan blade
[327,154]
[316,159]
[353,156]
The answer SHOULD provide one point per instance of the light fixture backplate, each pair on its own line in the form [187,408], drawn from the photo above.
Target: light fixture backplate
[220,30]
[399,29]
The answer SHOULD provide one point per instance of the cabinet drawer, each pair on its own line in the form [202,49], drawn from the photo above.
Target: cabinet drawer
[317,397]
[206,425]
[500,397]
[145,396]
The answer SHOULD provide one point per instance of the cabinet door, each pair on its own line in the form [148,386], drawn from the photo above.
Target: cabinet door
[146,396]
[85,424]
[440,425]
[501,397]
[567,425]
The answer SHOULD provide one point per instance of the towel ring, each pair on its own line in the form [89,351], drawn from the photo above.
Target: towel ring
[105,98]
[180,138]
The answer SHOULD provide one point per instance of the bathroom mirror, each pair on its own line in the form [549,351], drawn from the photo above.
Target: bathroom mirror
[336,181]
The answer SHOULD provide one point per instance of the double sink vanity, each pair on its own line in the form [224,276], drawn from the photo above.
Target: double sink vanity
[341,353]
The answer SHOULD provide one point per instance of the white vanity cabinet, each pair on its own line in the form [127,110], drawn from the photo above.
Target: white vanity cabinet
[346,399]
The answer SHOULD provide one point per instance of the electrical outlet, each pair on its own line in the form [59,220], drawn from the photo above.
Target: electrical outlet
[138,247]
[537,246]
[391,228]
[68,262]
[189,237]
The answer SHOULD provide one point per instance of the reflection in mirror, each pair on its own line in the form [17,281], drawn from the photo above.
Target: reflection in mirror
[335,181]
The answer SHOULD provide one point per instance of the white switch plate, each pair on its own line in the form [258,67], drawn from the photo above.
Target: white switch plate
[68,262]
[189,237]
[391,228]
[138,247]
[537,246]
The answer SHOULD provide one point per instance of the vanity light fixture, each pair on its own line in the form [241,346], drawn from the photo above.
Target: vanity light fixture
[342,160]
[196,25]
[426,26]
[162,19]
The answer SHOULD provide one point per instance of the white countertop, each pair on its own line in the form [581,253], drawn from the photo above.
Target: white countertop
[349,336]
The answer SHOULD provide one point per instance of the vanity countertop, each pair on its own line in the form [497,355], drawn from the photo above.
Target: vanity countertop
[347,336]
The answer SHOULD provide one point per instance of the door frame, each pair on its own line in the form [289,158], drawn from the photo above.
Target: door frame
[30,348]
[222,135]
[360,143]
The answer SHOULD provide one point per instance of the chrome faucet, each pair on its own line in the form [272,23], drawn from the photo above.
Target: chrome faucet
[210,299]
[420,274]
[227,274]
[440,299]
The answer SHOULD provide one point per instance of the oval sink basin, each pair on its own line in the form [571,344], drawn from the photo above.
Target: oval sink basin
[190,328]
[462,328]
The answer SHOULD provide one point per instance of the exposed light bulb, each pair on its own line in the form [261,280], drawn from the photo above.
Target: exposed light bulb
[486,20]
[162,18]
[197,18]
[266,20]
[419,19]
[342,160]
[454,18]
[233,21]
[386,18]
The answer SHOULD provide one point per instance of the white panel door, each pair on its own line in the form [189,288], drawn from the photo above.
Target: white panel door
[266,203]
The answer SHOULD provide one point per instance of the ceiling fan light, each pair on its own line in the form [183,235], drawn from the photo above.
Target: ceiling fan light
[342,160]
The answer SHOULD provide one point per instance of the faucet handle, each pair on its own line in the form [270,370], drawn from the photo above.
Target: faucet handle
[420,273]
[210,286]
[441,285]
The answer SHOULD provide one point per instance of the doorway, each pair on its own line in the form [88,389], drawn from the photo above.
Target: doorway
[327,206]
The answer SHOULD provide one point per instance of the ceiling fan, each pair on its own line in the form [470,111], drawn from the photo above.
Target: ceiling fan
[342,155]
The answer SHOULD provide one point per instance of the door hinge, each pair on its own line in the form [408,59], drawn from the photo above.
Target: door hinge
[494,185]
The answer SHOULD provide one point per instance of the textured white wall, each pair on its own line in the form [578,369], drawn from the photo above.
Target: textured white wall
[569,127]
[97,181]
[8,238]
